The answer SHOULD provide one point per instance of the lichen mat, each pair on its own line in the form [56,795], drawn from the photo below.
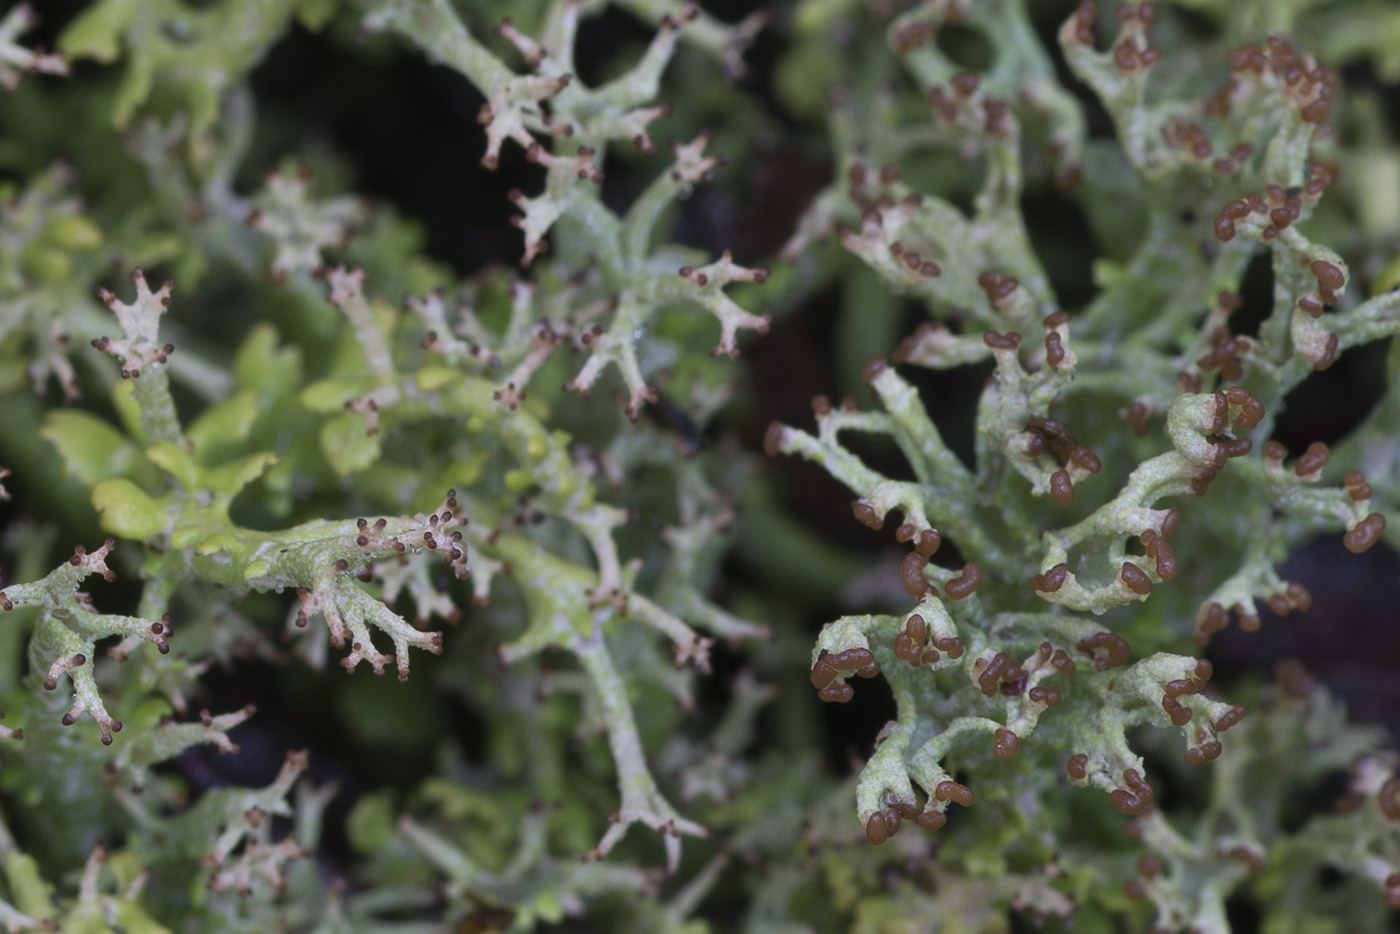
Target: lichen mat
[439,339]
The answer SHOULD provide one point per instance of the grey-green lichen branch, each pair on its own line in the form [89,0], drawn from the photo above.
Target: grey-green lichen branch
[982,672]
[191,521]
[68,628]
[567,128]
[15,59]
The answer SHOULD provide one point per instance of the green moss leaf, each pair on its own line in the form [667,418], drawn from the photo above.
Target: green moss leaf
[370,825]
[92,450]
[226,422]
[261,364]
[313,14]
[30,893]
[547,908]
[330,395]
[435,377]
[124,400]
[232,477]
[133,919]
[46,264]
[347,446]
[96,33]
[176,461]
[74,233]
[126,510]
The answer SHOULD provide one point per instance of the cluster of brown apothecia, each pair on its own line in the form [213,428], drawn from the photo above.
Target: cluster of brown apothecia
[1134,798]
[911,569]
[1050,436]
[829,672]
[884,824]
[1002,673]
[1278,207]
[1308,466]
[1224,445]
[993,117]
[997,673]
[912,644]
[1208,429]
[1310,87]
